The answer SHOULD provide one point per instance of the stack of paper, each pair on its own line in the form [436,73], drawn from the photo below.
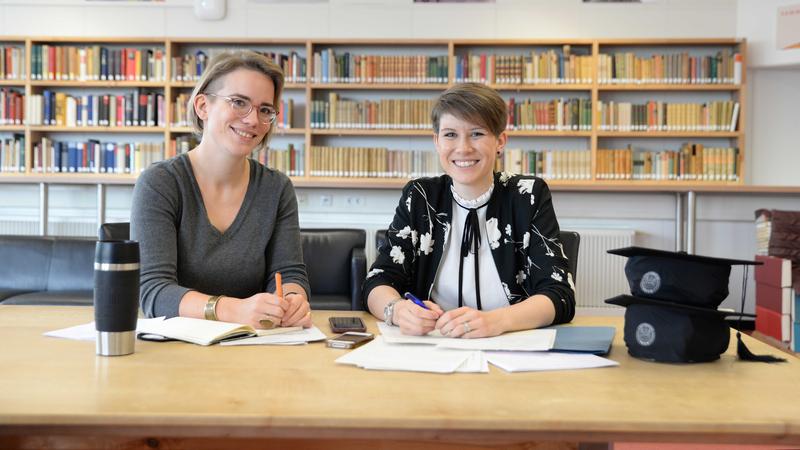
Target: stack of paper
[513,352]
[380,355]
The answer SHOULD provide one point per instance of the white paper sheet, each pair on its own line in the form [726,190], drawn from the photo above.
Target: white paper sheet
[535,361]
[87,331]
[527,340]
[379,355]
[291,338]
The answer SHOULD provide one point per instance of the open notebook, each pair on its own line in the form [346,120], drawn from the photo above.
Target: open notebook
[204,332]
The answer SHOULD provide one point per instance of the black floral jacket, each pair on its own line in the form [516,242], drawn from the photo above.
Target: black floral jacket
[522,230]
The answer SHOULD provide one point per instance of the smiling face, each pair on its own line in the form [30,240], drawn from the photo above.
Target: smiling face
[222,126]
[467,152]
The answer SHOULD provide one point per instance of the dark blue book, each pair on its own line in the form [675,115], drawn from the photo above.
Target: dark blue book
[48,95]
[103,63]
[72,152]
[577,339]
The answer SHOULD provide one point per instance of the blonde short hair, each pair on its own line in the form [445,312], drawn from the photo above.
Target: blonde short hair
[475,103]
[225,63]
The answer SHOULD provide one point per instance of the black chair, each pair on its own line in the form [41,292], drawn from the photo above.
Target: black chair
[119,231]
[571,241]
[336,266]
[334,258]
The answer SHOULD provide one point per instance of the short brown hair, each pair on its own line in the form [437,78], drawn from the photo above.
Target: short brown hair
[225,63]
[473,102]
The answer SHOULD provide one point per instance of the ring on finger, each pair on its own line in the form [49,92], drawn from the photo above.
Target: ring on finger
[466,326]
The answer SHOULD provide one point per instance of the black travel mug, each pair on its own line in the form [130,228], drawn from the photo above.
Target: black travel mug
[116,296]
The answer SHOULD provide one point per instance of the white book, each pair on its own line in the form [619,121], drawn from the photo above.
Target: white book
[205,332]
[734,117]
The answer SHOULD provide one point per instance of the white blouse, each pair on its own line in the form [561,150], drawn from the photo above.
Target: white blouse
[445,286]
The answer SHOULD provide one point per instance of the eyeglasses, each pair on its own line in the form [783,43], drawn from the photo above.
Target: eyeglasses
[242,107]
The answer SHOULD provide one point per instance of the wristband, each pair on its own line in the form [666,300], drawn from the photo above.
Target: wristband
[210,311]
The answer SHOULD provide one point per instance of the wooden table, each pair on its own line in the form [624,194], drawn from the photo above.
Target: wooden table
[57,393]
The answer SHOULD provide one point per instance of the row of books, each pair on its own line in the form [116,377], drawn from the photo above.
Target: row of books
[663,116]
[347,67]
[379,114]
[180,145]
[573,114]
[12,63]
[691,162]
[372,162]
[190,66]
[534,68]
[95,62]
[549,164]
[12,154]
[180,108]
[12,107]
[94,156]
[670,68]
[132,109]
[290,160]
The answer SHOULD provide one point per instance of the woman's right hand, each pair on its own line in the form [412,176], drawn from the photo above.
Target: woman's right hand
[252,310]
[414,319]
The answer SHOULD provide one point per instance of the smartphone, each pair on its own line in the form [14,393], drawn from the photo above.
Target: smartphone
[351,339]
[345,324]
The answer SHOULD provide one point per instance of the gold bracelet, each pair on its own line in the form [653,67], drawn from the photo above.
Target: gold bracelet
[210,310]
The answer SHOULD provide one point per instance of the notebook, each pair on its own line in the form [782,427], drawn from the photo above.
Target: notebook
[204,332]
[596,340]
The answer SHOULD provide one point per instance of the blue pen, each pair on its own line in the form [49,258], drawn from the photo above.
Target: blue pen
[411,297]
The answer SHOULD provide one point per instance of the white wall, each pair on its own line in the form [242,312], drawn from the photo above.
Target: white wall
[725,221]
[756,21]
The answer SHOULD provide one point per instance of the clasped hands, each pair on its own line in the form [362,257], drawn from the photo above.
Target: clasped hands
[291,310]
[463,322]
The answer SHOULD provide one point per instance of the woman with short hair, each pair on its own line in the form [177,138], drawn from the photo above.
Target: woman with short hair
[481,248]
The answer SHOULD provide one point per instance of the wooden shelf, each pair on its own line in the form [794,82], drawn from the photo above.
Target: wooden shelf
[549,133]
[669,87]
[14,128]
[191,85]
[68,178]
[382,86]
[98,83]
[20,83]
[542,87]
[368,132]
[62,129]
[670,134]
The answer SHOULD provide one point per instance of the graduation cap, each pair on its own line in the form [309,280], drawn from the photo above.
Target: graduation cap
[672,313]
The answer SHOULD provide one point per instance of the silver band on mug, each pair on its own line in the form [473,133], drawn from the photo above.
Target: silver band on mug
[115,343]
[109,267]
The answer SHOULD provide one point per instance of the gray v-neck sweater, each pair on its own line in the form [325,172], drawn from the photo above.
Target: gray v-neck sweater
[182,251]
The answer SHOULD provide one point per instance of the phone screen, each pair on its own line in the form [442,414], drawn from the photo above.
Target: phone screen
[343,324]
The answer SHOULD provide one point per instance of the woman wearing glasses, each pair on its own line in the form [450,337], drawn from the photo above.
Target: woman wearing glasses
[214,226]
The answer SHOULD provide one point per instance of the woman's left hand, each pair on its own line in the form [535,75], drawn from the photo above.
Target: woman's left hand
[298,312]
[468,323]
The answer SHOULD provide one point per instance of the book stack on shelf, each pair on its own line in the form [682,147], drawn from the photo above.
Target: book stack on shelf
[624,112]
[778,279]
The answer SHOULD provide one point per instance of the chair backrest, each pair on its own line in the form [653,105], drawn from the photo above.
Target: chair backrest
[335,264]
[119,231]
[38,263]
[571,241]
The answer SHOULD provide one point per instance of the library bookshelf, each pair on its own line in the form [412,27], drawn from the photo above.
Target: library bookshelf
[566,84]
